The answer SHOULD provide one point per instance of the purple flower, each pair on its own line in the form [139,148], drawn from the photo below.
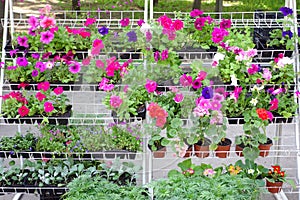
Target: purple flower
[35,73]
[164,54]
[103,30]
[22,61]
[207,93]
[12,67]
[286,11]
[156,56]
[35,56]
[131,36]
[46,37]
[23,41]
[287,33]
[148,36]
[13,52]
[41,66]
[74,68]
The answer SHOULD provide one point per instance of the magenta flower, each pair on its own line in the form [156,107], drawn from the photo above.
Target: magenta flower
[89,21]
[148,36]
[33,22]
[99,64]
[35,56]
[124,22]
[156,56]
[199,23]
[164,54]
[115,101]
[178,24]
[48,107]
[202,75]
[297,93]
[34,73]
[58,90]
[23,111]
[196,13]
[218,97]
[22,61]
[178,98]
[47,22]
[253,69]
[46,37]
[140,22]
[274,104]
[225,23]
[185,80]
[23,41]
[13,52]
[218,34]
[40,96]
[98,42]
[43,86]
[204,103]
[74,68]
[196,83]
[150,86]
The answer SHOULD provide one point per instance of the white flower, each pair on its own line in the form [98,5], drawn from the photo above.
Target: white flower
[145,28]
[254,101]
[233,80]
[218,56]
[250,171]
[49,65]
[284,61]
[255,88]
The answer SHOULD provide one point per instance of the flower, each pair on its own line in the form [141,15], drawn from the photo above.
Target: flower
[74,68]
[185,80]
[46,37]
[89,21]
[40,96]
[131,36]
[218,34]
[43,86]
[23,41]
[150,86]
[286,11]
[58,90]
[47,22]
[140,22]
[225,23]
[195,13]
[262,113]
[207,92]
[22,61]
[124,22]
[274,104]
[115,101]
[288,33]
[164,54]
[23,111]
[178,98]
[103,30]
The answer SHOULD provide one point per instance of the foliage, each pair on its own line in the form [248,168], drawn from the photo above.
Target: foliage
[18,143]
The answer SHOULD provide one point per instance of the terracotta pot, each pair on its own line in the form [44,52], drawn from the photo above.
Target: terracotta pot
[274,187]
[264,148]
[160,153]
[223,148]
[189,152]
[239,150]
[202,150]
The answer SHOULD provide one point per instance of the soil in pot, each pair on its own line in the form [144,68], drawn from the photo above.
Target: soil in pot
[223,148]
[265,148]
[274,187]
[202,148]
[239,149]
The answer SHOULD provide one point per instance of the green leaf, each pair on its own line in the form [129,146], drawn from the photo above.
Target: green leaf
[186,164]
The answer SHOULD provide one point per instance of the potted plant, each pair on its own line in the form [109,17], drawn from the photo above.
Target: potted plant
[43,104]
[275,178]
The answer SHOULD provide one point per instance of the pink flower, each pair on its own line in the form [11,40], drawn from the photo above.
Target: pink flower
[23,41]
[33,22]
[202,75]
[156,56]
[274,104]
[164,54]
[23,111]
[297,94]
[200,112]
[124,22]
[251,52]
[199,23]
[277,91]
[197,83]
[46,37]
[98,43]
[89,21]
[43,86]
[47,22]
[215,105]
[140,22]
[58,90]
[267,74]
[115,101]
[86,61]
[68,142]
[178,98]
[74,67]
[150,86]
[204,103]
[165,22]
[178,24]
[185,80]
[99,64]
[253,69]
[40,96]
[160,122]
[48,107]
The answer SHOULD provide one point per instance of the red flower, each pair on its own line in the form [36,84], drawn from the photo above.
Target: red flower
[281,174]
[276,168]
[262,113]
[23,111]
[43,86]
[58,90]
[48,107]
[40,96]
[23,85]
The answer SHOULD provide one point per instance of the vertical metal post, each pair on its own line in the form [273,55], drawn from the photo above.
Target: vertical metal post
[151,9]
[146,11]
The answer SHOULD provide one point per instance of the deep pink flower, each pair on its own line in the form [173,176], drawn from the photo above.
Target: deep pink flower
[89,21]
[197,83]
[218,34]
[178,98]
[22,61]
[33,22]
[196,13]
[74,68]
[23,111]
[185,80]
[23,41]
[202,75]
[13,52]
[47,22]
[40,96]
[150,86]
[124,22]
[277,91]
[156,56]
[225,23]
[58,90]
[164,54]
[253,69]
[48,107]
[204,103]
[99,64]
[215,105]
[274,104]
[178,24]
[165,22]
[46,37]
[140,22]
[85,34]
[297,93]
[199,23]
[115,101]
[43,86]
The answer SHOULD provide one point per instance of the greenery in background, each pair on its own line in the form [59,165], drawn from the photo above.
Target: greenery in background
[180,5]
[18,143]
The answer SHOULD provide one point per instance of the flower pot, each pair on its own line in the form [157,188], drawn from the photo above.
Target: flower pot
[223,148]
[236,120]
[188,152]
[59,119]
[239,150]
[160,152]
[264,148]
[202,148]
[274,187]
[131,155]
[115,153]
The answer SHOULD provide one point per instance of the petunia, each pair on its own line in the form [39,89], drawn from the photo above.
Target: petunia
[131,36]
[225,23]
[48,107]
[124,22]
[286,11]
[34,73]
[215,105]
[103,30]
[43,86]
[89,21]
[115,101]
[150,86]
[47,22]
[274,104]
[58,90]
[195,13]
[288,33]
[140,22]
[74,68]
[23,111]
[156,56]
[196,83]
[40,96]
[23,41]
[178,98]
[164,54]
[46,37]
[207,92]
[22,61]
[185,80]
[178,24]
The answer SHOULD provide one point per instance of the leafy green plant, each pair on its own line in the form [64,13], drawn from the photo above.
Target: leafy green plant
[18,143]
